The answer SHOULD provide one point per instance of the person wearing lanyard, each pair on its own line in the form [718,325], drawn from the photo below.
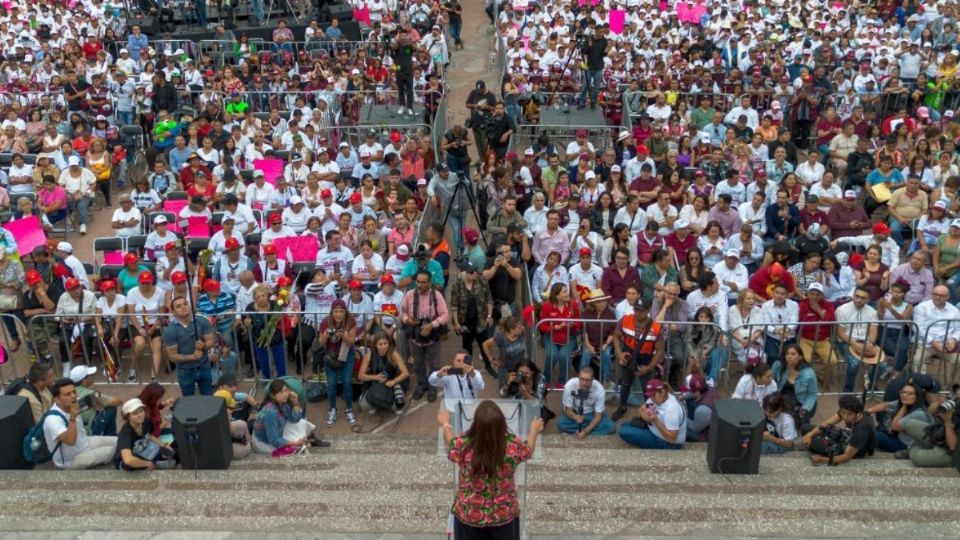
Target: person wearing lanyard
[460,381]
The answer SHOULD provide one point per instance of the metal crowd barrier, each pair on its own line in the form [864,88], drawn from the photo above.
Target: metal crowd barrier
[948,360]
[47,329]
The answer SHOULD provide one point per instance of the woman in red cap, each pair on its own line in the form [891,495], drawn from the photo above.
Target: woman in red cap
[128,275]
[179,286]
[269,270]
[168,264]
[110,306]
[145,303]
[76,309]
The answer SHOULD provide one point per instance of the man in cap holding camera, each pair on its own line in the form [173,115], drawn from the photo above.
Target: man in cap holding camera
[425,318]
[422,261]
[98,411]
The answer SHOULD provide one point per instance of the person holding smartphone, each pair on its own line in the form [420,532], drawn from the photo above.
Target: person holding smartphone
[460,381]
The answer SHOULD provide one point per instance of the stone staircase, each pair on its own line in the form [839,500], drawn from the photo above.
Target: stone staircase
[582,489]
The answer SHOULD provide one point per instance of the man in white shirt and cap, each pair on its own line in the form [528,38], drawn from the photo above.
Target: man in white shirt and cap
[732,275]
[937,339]
[65,252]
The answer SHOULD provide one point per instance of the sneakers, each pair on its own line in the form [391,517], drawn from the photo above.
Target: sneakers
[331,417]
[432,395]
[83,228]
[902,454]
[132,375]
[618,414]
[351,418]
[401,111]
[66,369]
[418,393]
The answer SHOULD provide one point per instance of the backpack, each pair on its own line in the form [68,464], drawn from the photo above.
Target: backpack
[35,448]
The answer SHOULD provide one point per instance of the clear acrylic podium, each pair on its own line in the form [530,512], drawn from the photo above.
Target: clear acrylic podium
[519,414]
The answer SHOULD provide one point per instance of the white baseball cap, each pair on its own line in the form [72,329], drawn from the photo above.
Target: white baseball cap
[79,373]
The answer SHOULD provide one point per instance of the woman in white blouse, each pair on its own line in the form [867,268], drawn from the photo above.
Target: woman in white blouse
[547,275]
[696,214]
[711,243]
[742,314]
[757,383]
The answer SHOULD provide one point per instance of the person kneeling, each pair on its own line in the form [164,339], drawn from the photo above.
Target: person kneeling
[935,441]
[661,423]
[386,372]
[281,428]
[137,449]
[781,433]
[831,445]
[583,407]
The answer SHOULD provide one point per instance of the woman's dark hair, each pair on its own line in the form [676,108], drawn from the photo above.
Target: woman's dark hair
[554,290]
[487,437]
[703,309]
[660,255]
[509,323]
[773,402]
[850,403]
[803,359]
[530,364]
[686,263]
[757,370]
[275,388]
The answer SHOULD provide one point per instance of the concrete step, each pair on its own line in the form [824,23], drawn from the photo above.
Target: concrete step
[582,488]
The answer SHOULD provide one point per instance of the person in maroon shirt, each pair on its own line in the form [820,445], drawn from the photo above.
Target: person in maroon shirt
[816,337]
[649,242]
[847,218]
[680,241]
[619,276]
[811,214]
[188,174]
[646,186]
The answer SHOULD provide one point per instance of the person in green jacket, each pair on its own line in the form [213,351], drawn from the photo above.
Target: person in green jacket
[657,274]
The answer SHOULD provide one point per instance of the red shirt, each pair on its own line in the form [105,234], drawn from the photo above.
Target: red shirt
[646,247]
[761,283]
[560,335]
[681,247]
[816,332]
[616,285]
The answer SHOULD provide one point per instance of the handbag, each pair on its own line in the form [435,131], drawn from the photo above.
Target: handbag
[316,392]
[284,451]
[9,302]
[146,449]
[379,396]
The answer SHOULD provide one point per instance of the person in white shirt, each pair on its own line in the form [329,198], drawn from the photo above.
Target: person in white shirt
[218,242]
[585,273]
[632,215]
[709,295]
[335,259]
[756,384]
[80,184]
[460,381]
[666,420]
[536,215]
[810,171]
[65,435]
[243,219]
[295,217]
[937,340]
[662,213]
[781,316]
[20,176]
[854,339]
[126,219]
[732,275]
[755,213]
[580,146]
[584,403]
[734,188]
[753,119]
[828,192]
[65,252]
[277,230]
[259,194]
[889,250]
[159,237]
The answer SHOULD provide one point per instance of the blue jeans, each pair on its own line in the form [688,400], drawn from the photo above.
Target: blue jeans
[82,207]
[853,367]
[889,443]
[456,227]
[896,343]
[606,355]
[644,438]
[556,354]
[513,111]
[896,230]
[605,427]
[772,348]
[201,377]
[202,12]
[770,448]
[953,283]
[455,29]
[263,360]
[719,357]
[591,80]
[228,363]
[258,16]
[126,117]
[456,165]
[345,376]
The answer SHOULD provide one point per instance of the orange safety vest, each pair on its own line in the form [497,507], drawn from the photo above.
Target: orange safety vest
[442,247]
[631,334]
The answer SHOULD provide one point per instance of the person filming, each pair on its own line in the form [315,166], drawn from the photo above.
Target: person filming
[487,455]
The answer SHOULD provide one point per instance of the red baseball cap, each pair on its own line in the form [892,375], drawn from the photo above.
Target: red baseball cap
[131,258]
[33,277]
[211,285]
[471,235]
[146,277]
[178,277]
[585,251]
[653,386]
[72,283]
[107,284]
[881,228]
[231,243]
[324,193]
[387,278]
[355,197]
[269,249]
[355,284]
[275,218]
[169,245]
[62,271]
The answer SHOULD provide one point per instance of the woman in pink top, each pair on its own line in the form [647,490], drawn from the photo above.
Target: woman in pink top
[487,455]
[52,199]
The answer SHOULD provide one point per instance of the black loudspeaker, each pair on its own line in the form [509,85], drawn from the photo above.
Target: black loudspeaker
[736,435]
[202,431]
[16,419]
[336,10]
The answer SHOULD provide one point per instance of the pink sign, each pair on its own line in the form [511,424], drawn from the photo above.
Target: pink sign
[198,227]
[175,206]
[304,249]
[27,232]
[113,257]
[272,169]
[616,19]
[283,245]
[362,15]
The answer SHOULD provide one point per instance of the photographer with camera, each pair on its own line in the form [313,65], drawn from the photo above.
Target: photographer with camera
[480,102]
[936,440]
[661,423]
[829,444]
[583,407]
[402,50]
[386,374]
[594,49]
[98,412]
[524,382]
[425,321]
[889,416]
[456,143]
[460,381]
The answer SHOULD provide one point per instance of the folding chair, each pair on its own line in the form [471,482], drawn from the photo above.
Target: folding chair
[103,245]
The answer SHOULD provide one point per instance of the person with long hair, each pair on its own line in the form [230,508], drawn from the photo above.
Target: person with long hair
[559,337]
[152,398]
[487,455]
[382,364]
[281,421]
[338,333]
[797,383]
[757,383]
[889,416]
[781,433]
[130,454]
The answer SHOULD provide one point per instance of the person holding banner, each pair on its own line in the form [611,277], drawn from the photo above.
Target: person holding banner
[487,456]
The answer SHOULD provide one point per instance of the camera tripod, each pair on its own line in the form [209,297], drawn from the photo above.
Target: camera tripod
[462,184]
[284,4]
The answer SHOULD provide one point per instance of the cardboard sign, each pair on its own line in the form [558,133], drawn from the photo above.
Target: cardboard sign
[27,232]
[616,20]
[272,169]
[113,257]
[198,227]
